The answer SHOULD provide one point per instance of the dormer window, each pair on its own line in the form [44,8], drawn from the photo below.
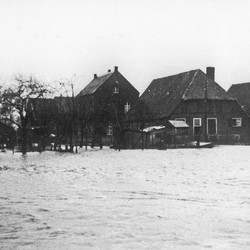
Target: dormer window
[116,90]
[126,107]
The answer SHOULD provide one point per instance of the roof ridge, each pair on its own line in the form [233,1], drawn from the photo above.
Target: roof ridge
[184,73]
[109,73]
[208,81]
[187,89]
[176,74]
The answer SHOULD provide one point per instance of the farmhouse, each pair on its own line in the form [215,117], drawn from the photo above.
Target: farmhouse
[106,100]
[194,97]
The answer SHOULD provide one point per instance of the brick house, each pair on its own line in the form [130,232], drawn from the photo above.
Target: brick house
[194,97]
[106,101]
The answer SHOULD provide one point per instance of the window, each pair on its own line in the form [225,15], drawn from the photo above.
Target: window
[211,126]
[197,122]
[126,107]
[197,126]
[116,90]
[180,119]
[237,122]
[110,129]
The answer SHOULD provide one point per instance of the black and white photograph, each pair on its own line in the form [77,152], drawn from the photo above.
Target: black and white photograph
[124,124]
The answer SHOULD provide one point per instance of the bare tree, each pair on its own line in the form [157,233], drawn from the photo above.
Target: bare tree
[14,104]
[67,113]
[84,118]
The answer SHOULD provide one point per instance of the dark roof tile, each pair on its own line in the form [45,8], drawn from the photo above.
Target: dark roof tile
[163,95]
[94,85]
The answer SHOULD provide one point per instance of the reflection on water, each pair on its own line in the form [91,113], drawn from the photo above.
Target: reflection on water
[174,199]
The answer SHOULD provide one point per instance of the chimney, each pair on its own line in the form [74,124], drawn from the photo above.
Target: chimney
[109,70]
[210,72]
[116,68]
[95,76]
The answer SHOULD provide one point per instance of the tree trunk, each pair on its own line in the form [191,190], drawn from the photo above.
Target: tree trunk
[81,139]
[24,141]
[60,143]
[86,139]
[101,140]
[142,141]
[71,146]
[71,142]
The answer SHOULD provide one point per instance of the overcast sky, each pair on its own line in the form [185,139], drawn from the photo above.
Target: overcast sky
[147,39]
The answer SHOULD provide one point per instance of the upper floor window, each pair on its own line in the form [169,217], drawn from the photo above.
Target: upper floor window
[116,90]
[237,122]
[126,107]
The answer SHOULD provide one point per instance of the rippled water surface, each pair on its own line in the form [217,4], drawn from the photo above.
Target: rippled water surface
[104,199]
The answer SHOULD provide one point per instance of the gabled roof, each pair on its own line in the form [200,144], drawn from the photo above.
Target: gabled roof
[163,95]
[110,77]
[241,91]
[94,84]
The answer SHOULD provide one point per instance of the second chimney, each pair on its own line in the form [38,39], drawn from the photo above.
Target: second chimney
[116,68]
[95,76]
[210,72]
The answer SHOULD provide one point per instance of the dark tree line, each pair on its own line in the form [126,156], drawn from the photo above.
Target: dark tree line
[53,115]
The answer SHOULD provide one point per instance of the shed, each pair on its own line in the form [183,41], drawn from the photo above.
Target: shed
[171,134]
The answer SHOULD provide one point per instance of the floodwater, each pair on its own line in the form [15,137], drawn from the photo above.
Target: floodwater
[132,199]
